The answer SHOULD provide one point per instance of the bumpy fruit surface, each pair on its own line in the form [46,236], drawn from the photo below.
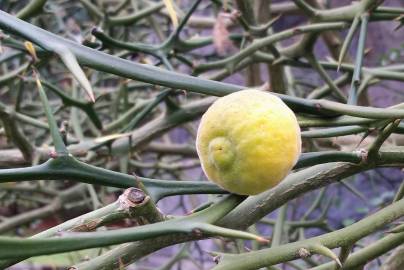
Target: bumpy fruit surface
[248,141]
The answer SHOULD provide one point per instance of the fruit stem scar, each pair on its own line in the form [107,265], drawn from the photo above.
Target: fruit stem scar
[221,152]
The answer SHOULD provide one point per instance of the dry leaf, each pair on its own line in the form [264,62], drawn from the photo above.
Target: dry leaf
[171,11]
[221,34]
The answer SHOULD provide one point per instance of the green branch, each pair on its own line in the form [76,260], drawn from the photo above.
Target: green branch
[198,223]
[287,252]
[69,168]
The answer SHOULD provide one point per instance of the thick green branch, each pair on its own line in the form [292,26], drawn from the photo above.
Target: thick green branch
[68,168]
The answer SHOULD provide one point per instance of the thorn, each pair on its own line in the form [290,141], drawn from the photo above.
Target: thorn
[367,51]
[337,260]
[263,240]
[137,180]
[63,130]
[70,61]
[278,60]
[397,229]
[36,77]
[212,253]
[347,41]
[266,86]
[200,208]
[31,49]
[400,23]
[325,251]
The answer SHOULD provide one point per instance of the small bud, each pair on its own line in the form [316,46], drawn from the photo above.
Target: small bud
[303,253]
[96,30]
[53,154]
[63,130]
[363,154]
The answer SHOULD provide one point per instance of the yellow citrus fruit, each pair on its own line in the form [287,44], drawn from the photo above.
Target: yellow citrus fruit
[248,141]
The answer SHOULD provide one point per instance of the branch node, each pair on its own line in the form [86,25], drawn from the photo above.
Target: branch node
[53,154]
[304,253]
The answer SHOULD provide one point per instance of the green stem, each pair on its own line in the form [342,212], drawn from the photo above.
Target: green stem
[324,75]
[279,228]
[313,158]
[198,223]
[33,8]
[384,134]
[367,254]
[348,40]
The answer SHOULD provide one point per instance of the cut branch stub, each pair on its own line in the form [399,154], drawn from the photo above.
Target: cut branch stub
[132,197]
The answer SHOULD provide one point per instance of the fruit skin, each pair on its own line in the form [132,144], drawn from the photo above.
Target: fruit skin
[248,141]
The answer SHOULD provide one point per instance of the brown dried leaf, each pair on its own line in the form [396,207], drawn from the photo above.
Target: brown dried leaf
[221,34]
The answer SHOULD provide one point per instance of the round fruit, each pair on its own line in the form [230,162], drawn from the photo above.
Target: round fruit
[248,141]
